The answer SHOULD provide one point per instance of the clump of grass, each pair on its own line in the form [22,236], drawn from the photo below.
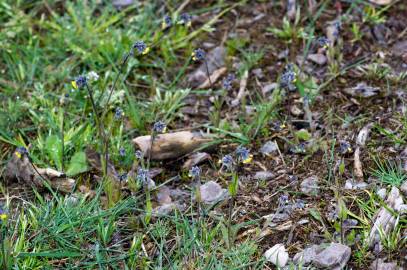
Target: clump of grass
[389,173]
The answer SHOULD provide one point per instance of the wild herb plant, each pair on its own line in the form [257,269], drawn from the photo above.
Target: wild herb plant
[232,166]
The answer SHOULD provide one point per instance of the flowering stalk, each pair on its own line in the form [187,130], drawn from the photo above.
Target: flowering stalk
[62,136]
[159,127]
[144,178]
[200,55]
[228,163]
[243,157]
[227,85]
[100,128]
[195,173]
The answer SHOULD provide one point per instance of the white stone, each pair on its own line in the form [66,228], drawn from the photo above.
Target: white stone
[277,255]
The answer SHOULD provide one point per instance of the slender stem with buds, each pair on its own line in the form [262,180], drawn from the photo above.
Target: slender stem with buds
[100,128]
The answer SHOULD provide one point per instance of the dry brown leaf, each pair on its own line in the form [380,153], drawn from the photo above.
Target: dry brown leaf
[213,78]
[171,145]
[21,170]
[357,164]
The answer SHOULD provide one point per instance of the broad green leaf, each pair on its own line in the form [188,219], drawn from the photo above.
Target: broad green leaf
[54,150]
[77,164]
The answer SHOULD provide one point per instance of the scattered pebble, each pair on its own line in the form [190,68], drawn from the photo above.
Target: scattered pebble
[163,210]
[306,256]
[379,264]
[382,193]
[335,256]
[318,58]
[269,148]
[310,186]
[350,184]
[263,176]
[212,192]
[268,88]
[163,195]
[258,72]
[403,188]
[277,255]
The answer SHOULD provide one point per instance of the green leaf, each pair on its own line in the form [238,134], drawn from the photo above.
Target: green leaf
[316,214]
[77,164]
[54,150]
[303,135]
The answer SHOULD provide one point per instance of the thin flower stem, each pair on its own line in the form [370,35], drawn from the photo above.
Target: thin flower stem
[126,58]
[117,77]
[151,149]
[207,73]
[198,202]
[62,138]
[100,128]
[231,205]
[37,172]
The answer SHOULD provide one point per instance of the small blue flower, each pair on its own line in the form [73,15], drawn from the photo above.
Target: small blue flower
[142,175]
[118,113]
[227,161]
[283,199]
[159,127]
[345,147]
[228,81]
[141,47]
[185,19]
[166,23]
[243,154]
[198,55]
[323,42]
[195,172]
[139,154]
[79,82]
[21,151]
[288,78]
[122,152]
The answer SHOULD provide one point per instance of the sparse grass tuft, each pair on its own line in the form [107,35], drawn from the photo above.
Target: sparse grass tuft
[389,173]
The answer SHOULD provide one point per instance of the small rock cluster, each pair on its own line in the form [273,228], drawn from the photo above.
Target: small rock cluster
[325,256]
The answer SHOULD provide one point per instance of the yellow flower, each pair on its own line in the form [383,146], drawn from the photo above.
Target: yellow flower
[18,154]
[3,216]
[74,85]
[146,51]
[248,159]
